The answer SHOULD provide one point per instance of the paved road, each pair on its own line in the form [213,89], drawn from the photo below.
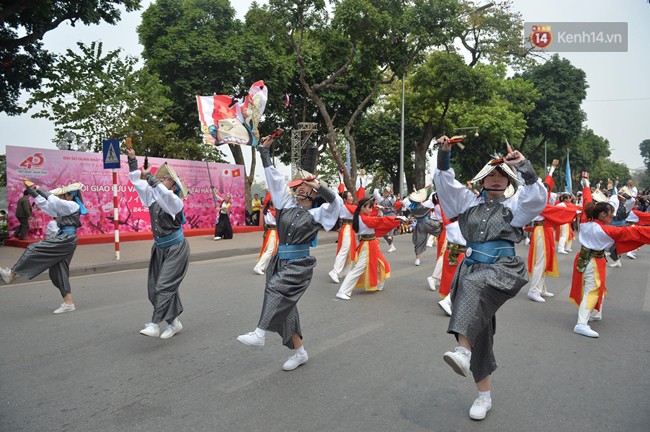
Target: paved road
[375,361]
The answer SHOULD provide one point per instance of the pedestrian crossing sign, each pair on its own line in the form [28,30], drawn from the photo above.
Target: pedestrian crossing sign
[111,150]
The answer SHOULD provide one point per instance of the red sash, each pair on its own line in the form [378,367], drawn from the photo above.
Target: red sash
[577,284]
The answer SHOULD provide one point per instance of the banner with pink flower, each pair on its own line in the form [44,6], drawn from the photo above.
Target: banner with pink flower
[54,168]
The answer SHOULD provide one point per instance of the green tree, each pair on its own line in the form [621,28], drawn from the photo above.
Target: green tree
[644,148]
[493,35]
[199,48]
[99,96]
[344,62]
[3,170]
[23,61]
[557,117]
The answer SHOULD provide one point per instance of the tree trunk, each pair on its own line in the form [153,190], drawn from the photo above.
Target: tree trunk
[420,148]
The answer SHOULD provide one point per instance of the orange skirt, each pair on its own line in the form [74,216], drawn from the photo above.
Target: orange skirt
[377,268]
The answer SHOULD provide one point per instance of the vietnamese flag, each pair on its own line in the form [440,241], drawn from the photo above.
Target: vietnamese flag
[236,172]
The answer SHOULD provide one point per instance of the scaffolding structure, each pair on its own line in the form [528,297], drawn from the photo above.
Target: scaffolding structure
[299,140]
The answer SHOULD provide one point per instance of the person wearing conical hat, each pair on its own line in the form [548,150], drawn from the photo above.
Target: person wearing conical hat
[623,203]
[346,245]
[491,273]
[420,204]
[53,254]
[270,240]
[163,193]
[290,270]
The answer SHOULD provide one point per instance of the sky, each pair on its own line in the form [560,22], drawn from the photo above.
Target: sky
[617,96]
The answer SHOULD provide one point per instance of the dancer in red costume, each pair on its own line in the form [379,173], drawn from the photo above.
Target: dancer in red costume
[371,268]
[347,243]
[270,242]
[542,260]
[588,287]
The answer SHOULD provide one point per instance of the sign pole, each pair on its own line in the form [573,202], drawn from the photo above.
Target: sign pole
[111,153]
[116,216]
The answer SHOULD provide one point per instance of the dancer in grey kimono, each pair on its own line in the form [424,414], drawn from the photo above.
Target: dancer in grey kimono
[491,273]
[420,205]
[290,270]
[386,205]
[170,254]
[66,205]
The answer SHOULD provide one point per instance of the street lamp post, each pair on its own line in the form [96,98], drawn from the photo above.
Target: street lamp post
[402,180]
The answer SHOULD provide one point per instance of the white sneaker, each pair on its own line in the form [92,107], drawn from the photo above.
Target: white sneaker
[217,238]
[479,408]
[417,262]
[568,250]
[459,362]
[294,361]
[343,296]
[547,294]
[445,305]
[334,276]
[631,255]
[392,248]
[432,283]
[151,329]
[560,251]
[527,241]
[64,308]
[251,339]
[172,329]
[258,271]
[616,263]
[585,330]
[5,273]
[535,296]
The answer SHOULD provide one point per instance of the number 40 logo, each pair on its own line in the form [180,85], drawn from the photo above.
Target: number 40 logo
[35,161]
[541,36]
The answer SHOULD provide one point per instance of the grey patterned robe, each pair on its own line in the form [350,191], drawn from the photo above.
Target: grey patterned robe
[287,280]
[53,254]
[168,265]
[424,225]
[479,290]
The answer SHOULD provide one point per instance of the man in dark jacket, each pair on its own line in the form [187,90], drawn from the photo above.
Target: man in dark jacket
[23,213]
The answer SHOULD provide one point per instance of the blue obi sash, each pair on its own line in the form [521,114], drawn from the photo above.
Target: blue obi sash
[68,229]
[170,240]
[488,252]
[292,252]
[422,219]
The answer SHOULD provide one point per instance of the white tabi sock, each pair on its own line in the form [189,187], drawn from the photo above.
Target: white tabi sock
[301,351]
[485,394]
[261,333]
[464,350]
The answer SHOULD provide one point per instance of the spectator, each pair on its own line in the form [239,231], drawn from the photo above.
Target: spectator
[256,205]
[23,213]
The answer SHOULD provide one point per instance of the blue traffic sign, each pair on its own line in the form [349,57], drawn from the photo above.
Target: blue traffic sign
[111,150]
